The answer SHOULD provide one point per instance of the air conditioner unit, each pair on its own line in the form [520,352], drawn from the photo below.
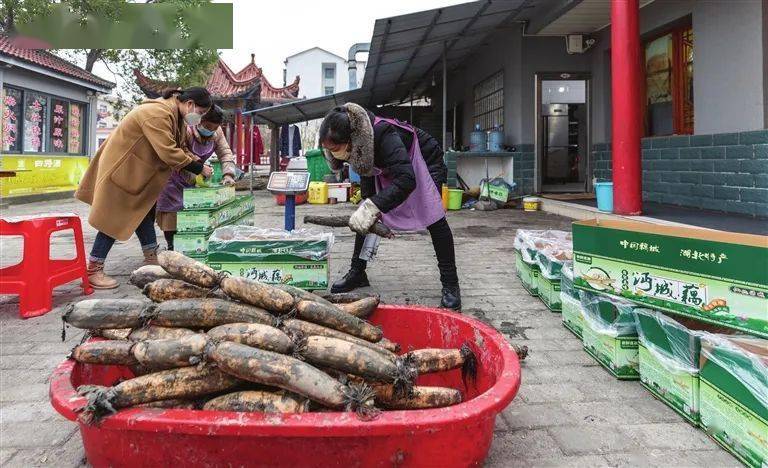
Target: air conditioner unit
[574,43]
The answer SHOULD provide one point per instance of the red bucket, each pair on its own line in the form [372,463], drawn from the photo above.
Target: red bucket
[454,436]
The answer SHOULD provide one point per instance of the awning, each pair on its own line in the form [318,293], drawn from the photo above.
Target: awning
[407,53]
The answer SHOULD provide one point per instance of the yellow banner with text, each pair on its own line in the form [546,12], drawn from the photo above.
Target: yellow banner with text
[41,174]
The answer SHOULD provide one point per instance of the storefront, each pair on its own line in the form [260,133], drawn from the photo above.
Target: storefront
[48,121]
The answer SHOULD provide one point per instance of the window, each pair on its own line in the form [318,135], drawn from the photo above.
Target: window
[11,119]
[669,83]
[76,125]
[489,102]
[328,90]
[59,124]
[329,73]
[34,122]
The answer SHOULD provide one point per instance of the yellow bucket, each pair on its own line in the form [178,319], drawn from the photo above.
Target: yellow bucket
[444,196]
[531,204]
[318,193]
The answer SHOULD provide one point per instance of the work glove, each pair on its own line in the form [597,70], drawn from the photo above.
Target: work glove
[364,217]
[228,180]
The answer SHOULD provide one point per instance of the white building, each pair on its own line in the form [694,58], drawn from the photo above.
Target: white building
[108,115]
[321,72]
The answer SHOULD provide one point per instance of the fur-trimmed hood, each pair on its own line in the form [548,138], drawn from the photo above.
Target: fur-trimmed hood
[361,151]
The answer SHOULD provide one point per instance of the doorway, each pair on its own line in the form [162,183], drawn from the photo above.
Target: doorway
[562,133]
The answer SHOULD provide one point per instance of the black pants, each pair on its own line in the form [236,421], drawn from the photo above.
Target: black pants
[442,241]
[169,235]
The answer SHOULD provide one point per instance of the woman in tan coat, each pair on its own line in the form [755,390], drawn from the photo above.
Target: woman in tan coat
[130,170]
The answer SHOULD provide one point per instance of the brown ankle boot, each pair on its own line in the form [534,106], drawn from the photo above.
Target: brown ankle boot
[150,257]
[97,277]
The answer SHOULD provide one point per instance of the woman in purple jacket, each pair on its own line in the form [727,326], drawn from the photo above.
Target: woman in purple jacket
[202,140]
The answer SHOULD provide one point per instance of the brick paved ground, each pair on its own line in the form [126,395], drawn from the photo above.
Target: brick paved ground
[569,411]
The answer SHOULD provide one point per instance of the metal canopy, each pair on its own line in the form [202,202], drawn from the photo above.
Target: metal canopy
[407,54]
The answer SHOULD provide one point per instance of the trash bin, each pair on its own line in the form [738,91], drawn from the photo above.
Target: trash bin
[454,199]
[604,194]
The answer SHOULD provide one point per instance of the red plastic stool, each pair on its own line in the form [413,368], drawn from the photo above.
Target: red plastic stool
[35,277]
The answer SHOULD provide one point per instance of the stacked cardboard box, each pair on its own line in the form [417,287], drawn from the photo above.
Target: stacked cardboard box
[194,226]
[298,258]
[706,286]
[539,257]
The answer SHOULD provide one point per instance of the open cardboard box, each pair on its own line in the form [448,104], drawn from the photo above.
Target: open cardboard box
[712,276]
[733,374]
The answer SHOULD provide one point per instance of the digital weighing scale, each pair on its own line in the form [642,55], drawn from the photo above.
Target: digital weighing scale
[290,184]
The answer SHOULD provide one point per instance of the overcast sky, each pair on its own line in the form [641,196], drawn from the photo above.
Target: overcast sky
[275,29]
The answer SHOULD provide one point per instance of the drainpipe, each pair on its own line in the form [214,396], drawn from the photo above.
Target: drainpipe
[445,98]
[626,119]
[352,61]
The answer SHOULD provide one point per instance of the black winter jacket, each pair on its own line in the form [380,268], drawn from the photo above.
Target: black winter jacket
[391,147]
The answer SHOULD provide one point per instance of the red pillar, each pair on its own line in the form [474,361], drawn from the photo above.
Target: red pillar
[238,147]
[626,127]
[248,140]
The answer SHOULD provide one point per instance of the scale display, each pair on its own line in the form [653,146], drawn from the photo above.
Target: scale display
[288,182]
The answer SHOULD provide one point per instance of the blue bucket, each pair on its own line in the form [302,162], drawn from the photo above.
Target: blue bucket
[604,194]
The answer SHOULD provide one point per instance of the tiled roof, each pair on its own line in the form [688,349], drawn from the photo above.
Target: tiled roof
[49,61]
[223,83]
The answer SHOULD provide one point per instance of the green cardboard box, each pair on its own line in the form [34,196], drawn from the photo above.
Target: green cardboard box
[197,243]
[205,221]
[609,334]
[529,275]
[549,292]
[298,258]
[707,275]
[669,361]
[734,395]
[208,197]
[573,316]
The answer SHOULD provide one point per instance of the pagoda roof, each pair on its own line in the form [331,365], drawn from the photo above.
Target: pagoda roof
[224,84]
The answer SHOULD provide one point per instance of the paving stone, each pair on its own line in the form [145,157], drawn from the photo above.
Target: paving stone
[5,455]
[598,439]
[38,434]
[575,461]
[27,412]
[70,454]
[658,458]
[14,392]
[602,412]
[654,411]
[509,446]
[543,393]
[679,436]
[520,415]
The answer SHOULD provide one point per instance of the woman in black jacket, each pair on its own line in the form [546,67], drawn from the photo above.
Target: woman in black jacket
[402,171]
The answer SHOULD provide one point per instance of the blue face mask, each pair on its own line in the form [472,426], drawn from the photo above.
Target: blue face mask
[204,132]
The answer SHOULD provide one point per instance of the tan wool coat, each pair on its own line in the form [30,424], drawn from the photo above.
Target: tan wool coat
[131,167]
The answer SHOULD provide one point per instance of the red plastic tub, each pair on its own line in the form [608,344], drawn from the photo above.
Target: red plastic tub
[455,436]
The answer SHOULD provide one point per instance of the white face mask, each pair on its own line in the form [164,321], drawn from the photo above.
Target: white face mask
[341,155]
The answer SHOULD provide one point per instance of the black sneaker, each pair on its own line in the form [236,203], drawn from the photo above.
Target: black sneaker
[352,280]
[451,298]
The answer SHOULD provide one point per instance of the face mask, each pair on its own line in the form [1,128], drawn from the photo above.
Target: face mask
[193,118]
[204,132]
[341,155]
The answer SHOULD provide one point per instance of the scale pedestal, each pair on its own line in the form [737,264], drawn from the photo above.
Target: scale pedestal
[290,184]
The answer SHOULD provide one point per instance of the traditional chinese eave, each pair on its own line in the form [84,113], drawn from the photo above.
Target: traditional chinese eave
[249,84]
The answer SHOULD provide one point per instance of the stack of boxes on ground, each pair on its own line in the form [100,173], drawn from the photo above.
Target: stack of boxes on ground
[683,310]
[298,258]
[205,209]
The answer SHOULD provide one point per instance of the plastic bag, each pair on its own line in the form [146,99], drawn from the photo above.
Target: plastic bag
[609,315]
[566,281]
[744,357]
[671,343]
[260,243]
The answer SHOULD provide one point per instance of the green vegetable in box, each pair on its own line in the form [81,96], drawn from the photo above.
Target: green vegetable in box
[707,275]
[734,395]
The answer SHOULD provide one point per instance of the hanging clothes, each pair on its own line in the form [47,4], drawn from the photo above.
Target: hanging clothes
[258,143]
[290,141]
